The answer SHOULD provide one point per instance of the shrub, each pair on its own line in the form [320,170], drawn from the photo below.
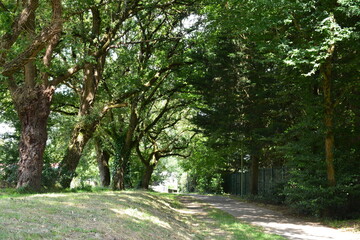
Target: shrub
[338,202]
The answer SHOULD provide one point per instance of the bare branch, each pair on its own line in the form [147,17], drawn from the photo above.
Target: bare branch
[119,45]
[114,105]
[70,72]
[64,112]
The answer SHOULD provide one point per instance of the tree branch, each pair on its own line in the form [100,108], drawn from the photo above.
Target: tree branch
[38,43]
[3,7]
[56,17]
[64,112]
[17,27]
[138,151]
[119,45]
[114,105]
[70,72]
[175,154]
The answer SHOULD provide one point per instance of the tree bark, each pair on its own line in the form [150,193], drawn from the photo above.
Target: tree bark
[103,164]
[32,101]
[329,115]
[33,108]
[79,137]
[85,128]
[121,162]
[145,182]
[118,179]
[124,144]
[254,182]
[122,156]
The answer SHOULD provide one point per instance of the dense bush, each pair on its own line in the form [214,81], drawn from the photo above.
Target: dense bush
[8,162]
[275,195]
[49,176]
[209,184]
[341,201]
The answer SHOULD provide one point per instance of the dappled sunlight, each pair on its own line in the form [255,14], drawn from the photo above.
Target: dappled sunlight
[110,215]
[276,223]
[50,195]
[140,216]
[93,216]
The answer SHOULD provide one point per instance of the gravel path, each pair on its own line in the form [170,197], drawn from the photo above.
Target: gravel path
[275,222]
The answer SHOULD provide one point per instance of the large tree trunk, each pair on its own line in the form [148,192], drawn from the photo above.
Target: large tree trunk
[79,137]
[119,176]
[121,163]
[32,102]
[254,182]
[84,129]
[124,146]
[329,125]
[33,107]
[145,182]
[103,164]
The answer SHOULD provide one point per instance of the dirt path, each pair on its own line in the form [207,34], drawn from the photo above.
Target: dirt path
[276,223]
[196,208]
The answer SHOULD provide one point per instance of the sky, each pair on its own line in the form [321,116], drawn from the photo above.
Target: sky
[5,128]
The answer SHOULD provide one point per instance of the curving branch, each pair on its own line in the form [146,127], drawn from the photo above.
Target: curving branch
[3,7]
[38,43]
[69,73]
[17,27]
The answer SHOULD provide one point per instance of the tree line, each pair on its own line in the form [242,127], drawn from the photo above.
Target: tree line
[88,60]
[225,85]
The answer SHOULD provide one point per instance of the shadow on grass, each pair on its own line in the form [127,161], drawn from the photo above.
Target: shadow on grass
[105,215]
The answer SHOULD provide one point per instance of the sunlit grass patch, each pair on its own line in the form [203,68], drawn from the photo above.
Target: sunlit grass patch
[239,230]
[99,215]
[347,225]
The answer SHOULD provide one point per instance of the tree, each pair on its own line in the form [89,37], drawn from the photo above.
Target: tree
[311,37]
[103,157]
[96,37]
[31,87]
[159,134]
[238,88]
[292,50]
[139,30]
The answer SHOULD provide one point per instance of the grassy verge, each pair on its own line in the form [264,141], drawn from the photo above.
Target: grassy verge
[212,223]
[239,229]
[348,225]
[102,215]
[110,215]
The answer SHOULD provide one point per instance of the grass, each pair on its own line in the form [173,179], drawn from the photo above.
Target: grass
[348,225]
[216,224]
[112,215]
[239,230]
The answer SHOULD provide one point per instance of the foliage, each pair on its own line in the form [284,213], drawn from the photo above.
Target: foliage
[322,201]
[8,161]
[167,167]
[261,84]
[204,168]
[87,173]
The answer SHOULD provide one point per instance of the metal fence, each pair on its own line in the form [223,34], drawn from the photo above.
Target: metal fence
[268,179]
